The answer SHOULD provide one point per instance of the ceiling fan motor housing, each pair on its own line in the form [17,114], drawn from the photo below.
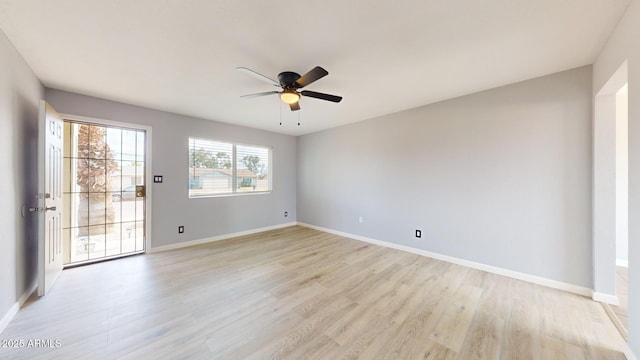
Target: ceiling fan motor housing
[288,79]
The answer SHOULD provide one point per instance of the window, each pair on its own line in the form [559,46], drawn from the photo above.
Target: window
[220,168]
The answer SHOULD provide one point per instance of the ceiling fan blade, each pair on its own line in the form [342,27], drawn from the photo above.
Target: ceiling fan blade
[260,94]
[321,96]
[313,75]
[295,106]
[258,76]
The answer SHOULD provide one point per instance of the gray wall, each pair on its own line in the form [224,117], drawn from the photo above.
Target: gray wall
[500,177]
[20,92]
[203,217]
[621,46]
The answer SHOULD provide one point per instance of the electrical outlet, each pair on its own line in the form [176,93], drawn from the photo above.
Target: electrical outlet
[418,233]
[360,219]
[286,214]
[180,229]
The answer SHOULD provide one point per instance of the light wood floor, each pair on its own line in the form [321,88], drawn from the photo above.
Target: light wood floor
[622,291]
[619,313]
[302,294]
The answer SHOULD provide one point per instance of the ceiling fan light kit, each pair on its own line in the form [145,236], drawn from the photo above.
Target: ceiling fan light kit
[290,82]
[289,96]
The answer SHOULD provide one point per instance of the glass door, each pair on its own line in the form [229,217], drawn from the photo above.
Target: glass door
[104,192]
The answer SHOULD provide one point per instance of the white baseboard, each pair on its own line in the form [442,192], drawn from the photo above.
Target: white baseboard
[623,263]
[629,353]
[6,319]
[606,298]
[218,238]
[474,265]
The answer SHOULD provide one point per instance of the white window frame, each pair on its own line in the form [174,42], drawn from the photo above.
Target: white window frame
[234,168]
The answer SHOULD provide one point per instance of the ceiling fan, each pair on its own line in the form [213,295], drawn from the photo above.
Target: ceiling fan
[291,82]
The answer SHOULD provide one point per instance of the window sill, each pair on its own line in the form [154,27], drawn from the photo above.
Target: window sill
[204,196]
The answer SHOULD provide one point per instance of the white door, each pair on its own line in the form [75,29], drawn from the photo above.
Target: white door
[49,197]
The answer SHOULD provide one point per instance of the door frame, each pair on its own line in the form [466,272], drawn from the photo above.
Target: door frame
[148,180]
[604,187]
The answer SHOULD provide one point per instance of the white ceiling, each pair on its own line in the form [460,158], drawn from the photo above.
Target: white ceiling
[382,56]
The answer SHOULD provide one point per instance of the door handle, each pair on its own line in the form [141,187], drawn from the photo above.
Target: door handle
[36,209]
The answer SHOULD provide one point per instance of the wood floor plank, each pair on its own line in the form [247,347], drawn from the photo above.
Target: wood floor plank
[297,293]
[484,338]
[349,326]
[300,336]
[453,325]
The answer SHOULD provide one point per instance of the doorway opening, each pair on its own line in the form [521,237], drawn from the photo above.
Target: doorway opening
[104,192]
[622,208]
[611,197]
